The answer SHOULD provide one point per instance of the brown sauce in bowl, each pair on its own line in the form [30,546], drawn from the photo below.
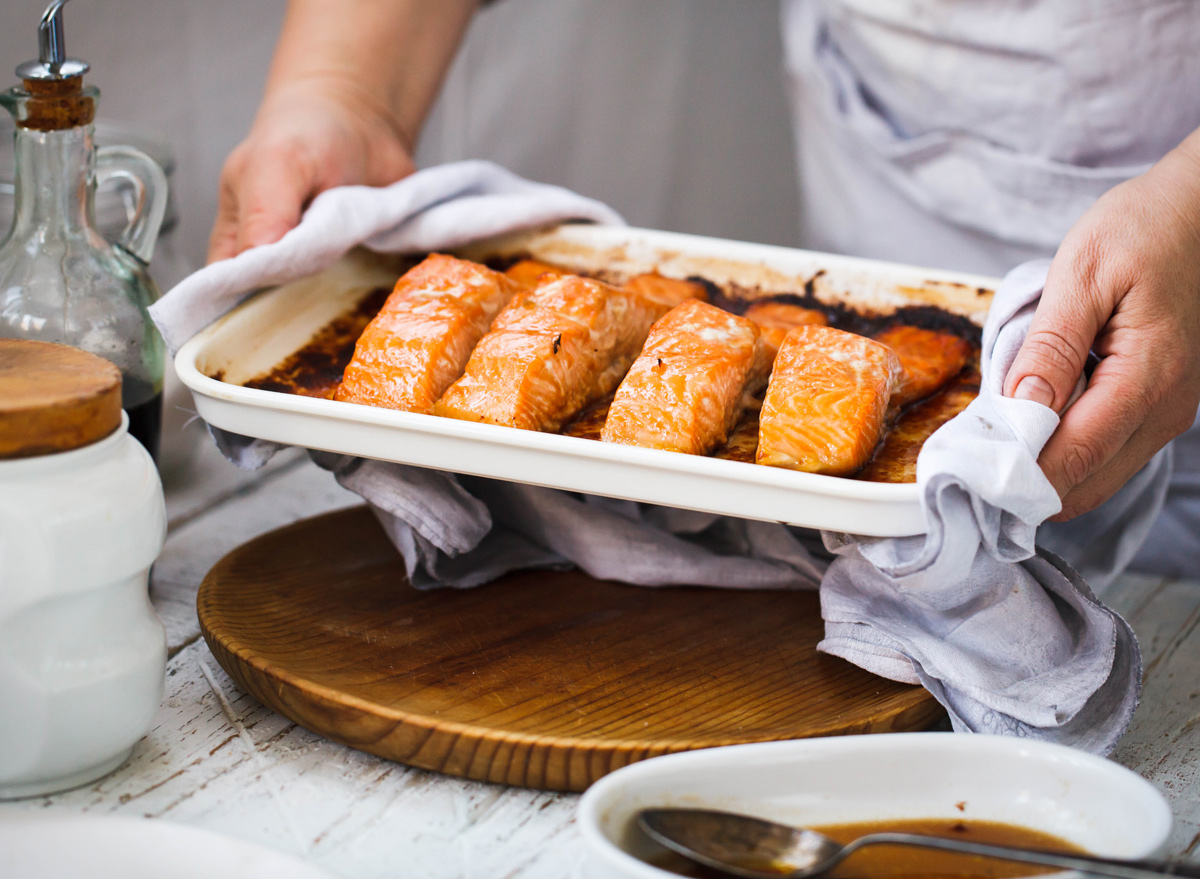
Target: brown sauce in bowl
[906,862]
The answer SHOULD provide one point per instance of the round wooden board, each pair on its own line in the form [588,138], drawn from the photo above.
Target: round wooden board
[544,679]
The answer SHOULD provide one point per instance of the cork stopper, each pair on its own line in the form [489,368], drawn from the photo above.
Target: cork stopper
[54,398]
[56,104]
[54,97]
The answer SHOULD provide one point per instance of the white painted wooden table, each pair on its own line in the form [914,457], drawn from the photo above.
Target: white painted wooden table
[217,759]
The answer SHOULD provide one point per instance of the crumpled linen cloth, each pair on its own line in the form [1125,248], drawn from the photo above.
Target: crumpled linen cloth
[1007,637]
[436,208]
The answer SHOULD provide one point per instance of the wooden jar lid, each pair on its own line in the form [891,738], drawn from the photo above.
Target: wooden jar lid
[54,398]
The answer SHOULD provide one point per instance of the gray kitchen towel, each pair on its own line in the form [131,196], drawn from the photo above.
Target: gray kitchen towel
[1008,639]
[463,531]
[439,207]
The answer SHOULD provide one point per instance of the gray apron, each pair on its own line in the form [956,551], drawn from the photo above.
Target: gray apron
[972,135]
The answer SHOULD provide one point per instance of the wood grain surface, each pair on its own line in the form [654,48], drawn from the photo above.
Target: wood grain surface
[541,679]
[54,398]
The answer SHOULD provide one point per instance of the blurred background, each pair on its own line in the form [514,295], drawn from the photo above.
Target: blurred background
[672,111]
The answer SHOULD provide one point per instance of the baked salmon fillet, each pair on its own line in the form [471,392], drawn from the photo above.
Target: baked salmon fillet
[775,319]
[419,343]
[550,353]
[666,292]
[929,358]
[526,272]
[896,460]
[685,391]
[826,405]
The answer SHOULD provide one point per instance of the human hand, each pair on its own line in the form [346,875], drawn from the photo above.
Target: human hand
[1124,284]
[309,136]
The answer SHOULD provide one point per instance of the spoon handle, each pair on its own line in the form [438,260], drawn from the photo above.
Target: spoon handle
[1089,864]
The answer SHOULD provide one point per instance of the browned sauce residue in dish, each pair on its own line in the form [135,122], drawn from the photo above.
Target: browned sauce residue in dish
[742,444]
[896,459]
[905,862]
[590,422]
[316,369]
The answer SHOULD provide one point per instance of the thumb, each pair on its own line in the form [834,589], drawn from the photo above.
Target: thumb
[1055,351]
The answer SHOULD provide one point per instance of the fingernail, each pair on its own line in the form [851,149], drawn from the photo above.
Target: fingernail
[1035,388]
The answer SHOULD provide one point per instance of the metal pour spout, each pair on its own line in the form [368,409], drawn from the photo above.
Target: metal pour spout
[52,63]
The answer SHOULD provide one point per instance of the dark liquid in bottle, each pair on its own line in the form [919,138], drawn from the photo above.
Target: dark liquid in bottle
[145,423]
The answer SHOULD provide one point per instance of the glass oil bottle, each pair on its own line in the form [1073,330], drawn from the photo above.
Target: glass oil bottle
[60,281]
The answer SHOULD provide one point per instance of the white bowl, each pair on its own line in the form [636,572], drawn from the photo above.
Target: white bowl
[1091,802]
[37,845]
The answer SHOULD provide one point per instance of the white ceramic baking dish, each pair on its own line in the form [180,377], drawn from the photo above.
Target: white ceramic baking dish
[262,332]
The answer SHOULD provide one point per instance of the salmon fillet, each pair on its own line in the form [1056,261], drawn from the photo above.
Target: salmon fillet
[774,319]
[686,389]
[896,460]
[527,271]
[419,343]
[929,358]
[827,401]
[667,292]
[550,353]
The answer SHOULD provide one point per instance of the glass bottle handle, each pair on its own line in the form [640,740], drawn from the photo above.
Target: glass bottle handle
[150,185]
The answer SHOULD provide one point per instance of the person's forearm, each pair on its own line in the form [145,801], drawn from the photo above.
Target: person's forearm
[1181,167]
[391,54]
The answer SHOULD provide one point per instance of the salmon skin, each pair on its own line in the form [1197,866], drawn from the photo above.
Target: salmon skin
[419,343]
[896,459]
[526,272]
[550,353]
[775,319]
[929,358]
[827,402]
[686,389]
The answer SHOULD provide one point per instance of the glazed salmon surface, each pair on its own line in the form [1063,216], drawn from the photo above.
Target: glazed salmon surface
[550,353]
[667,292]
[419,343]
[685,391]
[775,319]
[929,358]
[826,405]
[526,272]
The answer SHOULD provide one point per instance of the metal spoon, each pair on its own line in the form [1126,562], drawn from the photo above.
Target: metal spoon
[760,849]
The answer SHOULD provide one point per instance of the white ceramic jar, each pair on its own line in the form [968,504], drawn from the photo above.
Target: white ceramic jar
[82,653]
